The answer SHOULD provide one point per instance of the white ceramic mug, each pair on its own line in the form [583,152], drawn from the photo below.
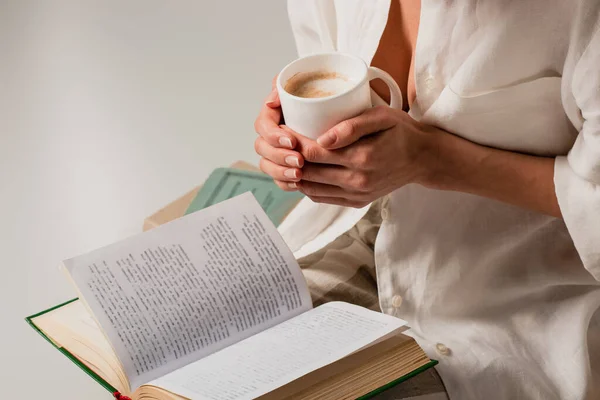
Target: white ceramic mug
[312,117]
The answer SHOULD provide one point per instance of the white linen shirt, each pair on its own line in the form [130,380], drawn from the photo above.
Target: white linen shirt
[506,299]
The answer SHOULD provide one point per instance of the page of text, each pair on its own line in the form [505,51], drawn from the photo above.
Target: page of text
[281,354]
[186,289]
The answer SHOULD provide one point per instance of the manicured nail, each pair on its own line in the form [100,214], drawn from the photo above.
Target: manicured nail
[292,161]
[290,173]
[270,102]
[292,185]
[327,139]
[285,142]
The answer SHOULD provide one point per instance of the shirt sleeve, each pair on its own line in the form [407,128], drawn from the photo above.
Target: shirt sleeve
[313,24]
[577,176]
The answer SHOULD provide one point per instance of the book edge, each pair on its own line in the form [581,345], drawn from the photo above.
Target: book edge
[395,382]
[207,186]
[64,351]
[209,189]
[29,318]
[158,217]
[111,389]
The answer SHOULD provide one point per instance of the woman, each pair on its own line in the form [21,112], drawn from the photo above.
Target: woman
[488,187]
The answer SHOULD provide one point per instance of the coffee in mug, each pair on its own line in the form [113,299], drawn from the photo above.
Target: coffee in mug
[318,84]
[321,90]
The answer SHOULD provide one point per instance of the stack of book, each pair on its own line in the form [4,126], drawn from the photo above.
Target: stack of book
[213,305]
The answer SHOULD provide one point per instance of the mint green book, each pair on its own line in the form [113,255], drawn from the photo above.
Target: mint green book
[225,183]
[214,305]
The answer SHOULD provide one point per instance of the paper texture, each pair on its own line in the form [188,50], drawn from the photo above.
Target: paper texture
[281,354]
[191,287]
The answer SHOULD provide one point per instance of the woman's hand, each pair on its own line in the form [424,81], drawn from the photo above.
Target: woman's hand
[275,145]
[369,156]
[352,166]
[366,157]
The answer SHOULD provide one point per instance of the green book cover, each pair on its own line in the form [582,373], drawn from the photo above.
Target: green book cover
[372,395]
[225,183]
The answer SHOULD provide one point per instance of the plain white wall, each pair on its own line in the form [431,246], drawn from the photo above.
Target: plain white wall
[109,109]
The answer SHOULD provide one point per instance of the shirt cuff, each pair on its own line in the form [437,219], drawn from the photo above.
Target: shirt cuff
[579,202]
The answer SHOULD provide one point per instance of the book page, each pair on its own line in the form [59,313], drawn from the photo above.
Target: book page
[186,289]
[279,355]
[72,327]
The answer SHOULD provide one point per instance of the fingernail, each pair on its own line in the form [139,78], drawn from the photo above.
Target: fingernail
[270,102]
[290,173]
[292,185]
[292,161]
[285,142]
[327,139]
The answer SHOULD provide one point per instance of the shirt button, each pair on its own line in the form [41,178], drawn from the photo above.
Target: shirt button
[442,349]
[396,301]
[385,214]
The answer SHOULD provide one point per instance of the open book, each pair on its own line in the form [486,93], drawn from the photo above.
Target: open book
[214,306]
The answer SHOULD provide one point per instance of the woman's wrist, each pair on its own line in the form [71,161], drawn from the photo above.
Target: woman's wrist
[457,164]
[437,161]
[454,163]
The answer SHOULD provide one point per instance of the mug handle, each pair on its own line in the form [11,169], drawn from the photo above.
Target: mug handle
[395,93]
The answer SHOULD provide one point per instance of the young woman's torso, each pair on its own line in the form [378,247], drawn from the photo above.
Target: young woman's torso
[396,51]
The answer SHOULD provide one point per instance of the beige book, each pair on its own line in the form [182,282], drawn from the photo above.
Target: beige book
[177,208]
[214,306]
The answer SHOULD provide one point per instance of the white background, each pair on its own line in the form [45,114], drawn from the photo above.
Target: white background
[109,109]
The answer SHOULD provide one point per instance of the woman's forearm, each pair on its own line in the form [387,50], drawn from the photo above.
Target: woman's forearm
[522,180]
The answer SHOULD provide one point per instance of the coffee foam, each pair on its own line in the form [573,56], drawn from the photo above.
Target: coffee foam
[317,84]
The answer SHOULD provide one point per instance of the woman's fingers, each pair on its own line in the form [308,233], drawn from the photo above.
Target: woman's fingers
[351,130]
[287,186]
[339,201]
[272,100]
[267,124]
[312,152]
[280,173]
[314,189]
[277,155]
[332,175]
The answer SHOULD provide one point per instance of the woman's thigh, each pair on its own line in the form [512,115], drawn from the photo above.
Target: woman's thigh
[344,270]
